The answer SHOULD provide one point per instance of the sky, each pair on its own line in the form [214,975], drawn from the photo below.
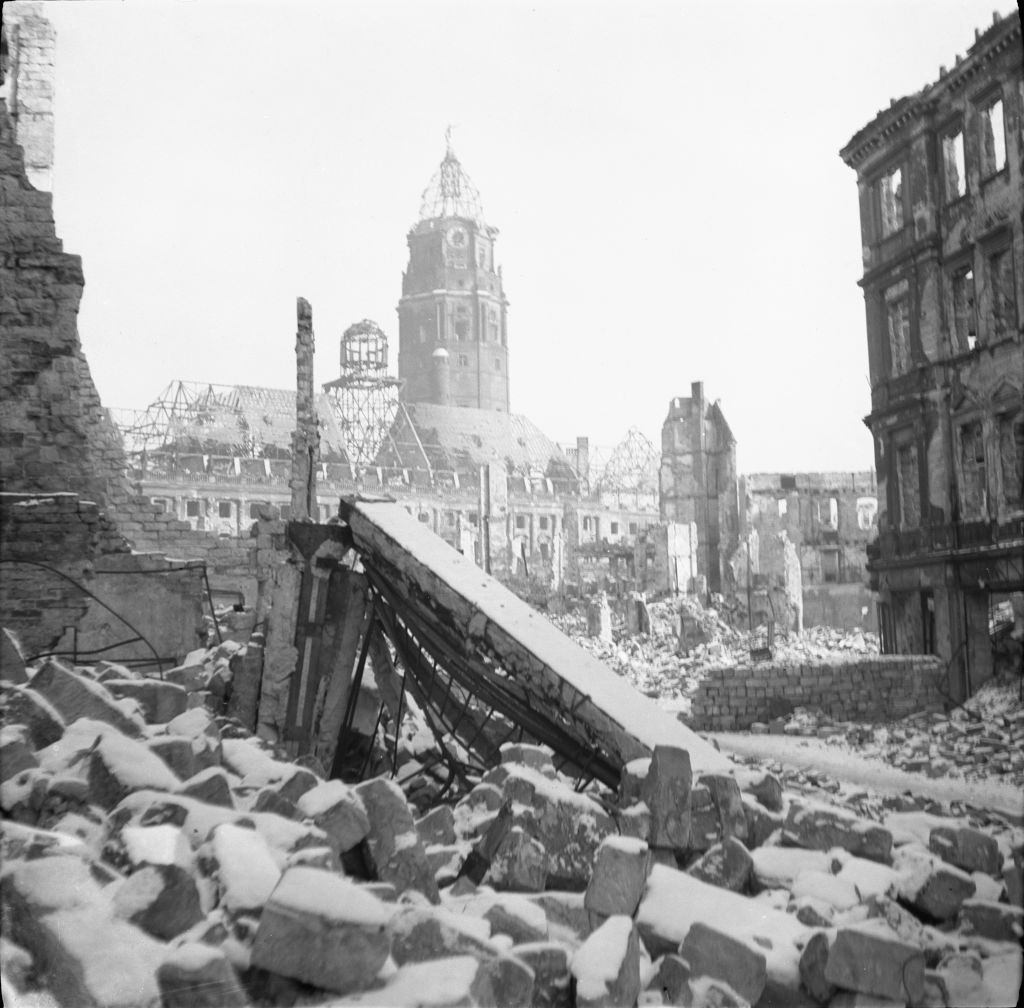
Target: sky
[664,176]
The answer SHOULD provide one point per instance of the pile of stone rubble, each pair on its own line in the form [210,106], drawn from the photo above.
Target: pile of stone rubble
[655,662]
[982,740]
[155,853]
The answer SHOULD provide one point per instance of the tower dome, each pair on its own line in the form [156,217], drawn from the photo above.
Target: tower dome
[450,192]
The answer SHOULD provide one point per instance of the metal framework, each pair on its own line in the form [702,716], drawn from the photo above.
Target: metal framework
[633,465]
[365,398]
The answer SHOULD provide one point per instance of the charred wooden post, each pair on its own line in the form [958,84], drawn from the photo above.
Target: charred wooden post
[306,436]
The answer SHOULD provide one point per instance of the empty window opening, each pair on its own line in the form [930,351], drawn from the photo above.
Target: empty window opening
[286,512]
[632,528]
[1004,306]
[787,482]
[965,318]
[192,508]
[993,139]
[497,363]
[615,528]
[973,483]
[463,360]
[897,311]
[828,513]
[1011,458]
[953,174]
[586,524]
[783,506]
[544,522]
[520,521]
[973,475]
[545,551]
[890,200]
[830,566]
[224,509]
[908,486]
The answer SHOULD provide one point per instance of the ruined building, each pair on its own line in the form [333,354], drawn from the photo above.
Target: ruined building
[940,175]
[698,482]
[453,315]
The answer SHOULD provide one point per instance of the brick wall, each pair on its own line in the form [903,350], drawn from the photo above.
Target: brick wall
[56,435]
[876,689]
[60,531]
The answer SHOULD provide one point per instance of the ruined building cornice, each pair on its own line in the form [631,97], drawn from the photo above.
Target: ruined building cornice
[923,103]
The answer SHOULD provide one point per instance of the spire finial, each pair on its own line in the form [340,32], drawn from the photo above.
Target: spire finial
[449,153]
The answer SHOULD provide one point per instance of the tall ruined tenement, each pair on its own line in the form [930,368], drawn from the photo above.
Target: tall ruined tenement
[306,436]
[698,482]
[453,315]
[940,176]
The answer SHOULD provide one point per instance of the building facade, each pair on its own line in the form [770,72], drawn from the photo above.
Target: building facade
[453,314]
[940,176]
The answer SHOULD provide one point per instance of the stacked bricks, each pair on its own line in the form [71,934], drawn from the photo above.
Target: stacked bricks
[881,688]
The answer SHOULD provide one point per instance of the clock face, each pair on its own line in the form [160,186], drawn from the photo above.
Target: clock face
[457,237]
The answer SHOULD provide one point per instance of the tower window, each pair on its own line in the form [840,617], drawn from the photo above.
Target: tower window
[897,310]
[497,363]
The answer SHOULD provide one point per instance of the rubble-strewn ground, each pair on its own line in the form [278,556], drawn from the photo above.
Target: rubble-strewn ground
[154,852]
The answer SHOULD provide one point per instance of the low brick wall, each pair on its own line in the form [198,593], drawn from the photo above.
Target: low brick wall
[879,688]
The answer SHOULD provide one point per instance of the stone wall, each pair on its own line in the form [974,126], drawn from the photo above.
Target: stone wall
[878,689]
[56,435]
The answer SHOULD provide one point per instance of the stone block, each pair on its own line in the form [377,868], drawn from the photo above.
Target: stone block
[533,756]
[717,954]
[190,677]
[210,785]
[606,967]
[672,980]
[119,765]
[176,752]
[966,848]
[339,811]
[74,696]
[550,964]
[437,826]
[320,928]
[822,827]
[761,823]
[871,959]
[990,919]
[520,864]
[160,701]
[931,887]
[514,915]
[161,899]
[617,881]
[666,792]
[765,787]
[705,824]
[197,975]
[393,845]
[727,864]
[23,705]
[813,960]
[420,934]
[15,751]
[725,793]
[634,821]
[245,868]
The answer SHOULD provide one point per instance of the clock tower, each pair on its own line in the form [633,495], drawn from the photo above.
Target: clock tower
[453,301]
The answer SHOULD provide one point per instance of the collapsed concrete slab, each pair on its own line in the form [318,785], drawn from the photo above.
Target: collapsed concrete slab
[507,655]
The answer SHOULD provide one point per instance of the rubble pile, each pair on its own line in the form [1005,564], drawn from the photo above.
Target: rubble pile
[154,852]
[982,740]
[685,639]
